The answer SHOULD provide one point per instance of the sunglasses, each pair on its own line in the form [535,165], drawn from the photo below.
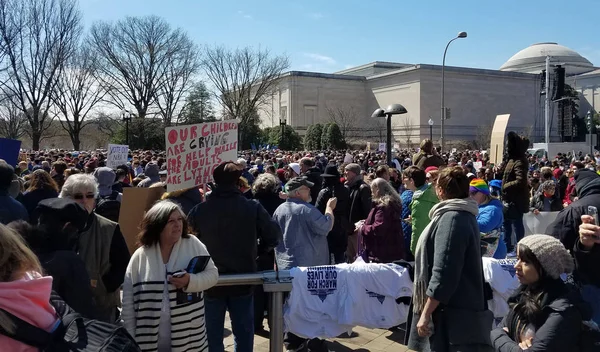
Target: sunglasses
[81,196]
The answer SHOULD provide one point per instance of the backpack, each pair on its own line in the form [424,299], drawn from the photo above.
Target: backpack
[73,333]
[109,206]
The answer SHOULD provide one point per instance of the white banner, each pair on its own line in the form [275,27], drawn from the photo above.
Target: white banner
[117,155]
[194,151]
[537,224]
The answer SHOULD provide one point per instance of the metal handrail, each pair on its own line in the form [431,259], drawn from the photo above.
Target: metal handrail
[276,283]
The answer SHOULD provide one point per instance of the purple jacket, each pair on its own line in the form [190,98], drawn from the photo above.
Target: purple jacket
[382,236]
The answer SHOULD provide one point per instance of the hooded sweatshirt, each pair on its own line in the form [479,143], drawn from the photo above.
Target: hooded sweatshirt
[28,299]
[423,200]
[106,178]
[152,176]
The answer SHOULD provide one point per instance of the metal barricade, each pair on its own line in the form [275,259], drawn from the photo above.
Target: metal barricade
[274,282]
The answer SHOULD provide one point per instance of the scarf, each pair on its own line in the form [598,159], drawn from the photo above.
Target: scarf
[421,259]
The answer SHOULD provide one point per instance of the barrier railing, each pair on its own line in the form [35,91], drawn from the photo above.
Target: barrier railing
[274,282]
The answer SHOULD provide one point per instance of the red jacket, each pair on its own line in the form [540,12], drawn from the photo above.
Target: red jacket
[382,236]
[570,188]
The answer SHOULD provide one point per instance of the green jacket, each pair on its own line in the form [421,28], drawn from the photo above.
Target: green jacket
[423,200]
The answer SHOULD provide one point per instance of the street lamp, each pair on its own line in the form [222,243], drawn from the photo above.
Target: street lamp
[126,116]
[282,123]
[430,129]
[443,112]
[393,109]
[590,125]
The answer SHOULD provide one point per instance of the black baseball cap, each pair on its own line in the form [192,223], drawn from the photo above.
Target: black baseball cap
[298,182]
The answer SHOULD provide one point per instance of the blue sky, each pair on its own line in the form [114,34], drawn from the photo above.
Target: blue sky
[330,35]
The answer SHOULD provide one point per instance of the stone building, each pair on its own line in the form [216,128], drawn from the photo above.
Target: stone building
[474,97]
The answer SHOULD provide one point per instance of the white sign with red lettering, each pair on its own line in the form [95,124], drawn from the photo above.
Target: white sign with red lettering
[194,151]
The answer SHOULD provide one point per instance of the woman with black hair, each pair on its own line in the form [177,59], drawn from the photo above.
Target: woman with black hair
[546,314]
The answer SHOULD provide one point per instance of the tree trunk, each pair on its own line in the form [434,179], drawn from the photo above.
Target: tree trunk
[36,136]
[76,142]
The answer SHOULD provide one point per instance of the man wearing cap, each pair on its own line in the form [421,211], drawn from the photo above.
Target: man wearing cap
[313,175]
[359,206]
[304,241]
[10,209]
[230,225]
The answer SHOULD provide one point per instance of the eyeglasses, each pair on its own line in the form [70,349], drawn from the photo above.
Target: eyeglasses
[81,196]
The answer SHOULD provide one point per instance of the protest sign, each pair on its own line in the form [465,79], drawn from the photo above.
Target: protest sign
[117,155]
[136,201]
[397,146]
[381,147]
[369,146]
[477,165]
[194,151]
[497,140]
[537,224]
[9,150]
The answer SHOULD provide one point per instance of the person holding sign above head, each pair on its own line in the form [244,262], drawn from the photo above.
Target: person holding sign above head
[230,225]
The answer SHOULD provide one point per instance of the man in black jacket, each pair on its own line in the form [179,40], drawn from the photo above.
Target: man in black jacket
[313,174]
[359,206]
[230,226]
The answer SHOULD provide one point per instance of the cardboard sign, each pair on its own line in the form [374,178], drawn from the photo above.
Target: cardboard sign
[396,146]
[369,146]
[477,165]
[537,224]
[136,201]
[194,151]
[381,147]
[497,140]
[9,151]
[117,155]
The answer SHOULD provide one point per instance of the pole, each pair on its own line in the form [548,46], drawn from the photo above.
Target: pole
[431,132]
[282,132]
[443,109]
[547,104]
[127,131]
[276,334]
[388,144]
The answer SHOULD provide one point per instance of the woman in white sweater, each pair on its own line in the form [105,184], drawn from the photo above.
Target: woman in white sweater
[162,311]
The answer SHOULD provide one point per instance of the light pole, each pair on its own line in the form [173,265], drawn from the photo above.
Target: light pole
[282,123]
[443,112]
[590,125]
[430,129]
[126,116]
[393,109]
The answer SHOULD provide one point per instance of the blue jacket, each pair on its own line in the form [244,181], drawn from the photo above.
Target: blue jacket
[490,216]
[11,209]
[406,198]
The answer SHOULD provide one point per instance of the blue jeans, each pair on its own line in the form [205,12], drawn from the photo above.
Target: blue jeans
[508,231]
[591,294]
[241,313]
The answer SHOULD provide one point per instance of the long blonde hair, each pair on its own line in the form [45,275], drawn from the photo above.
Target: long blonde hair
[385,193]
[15,259]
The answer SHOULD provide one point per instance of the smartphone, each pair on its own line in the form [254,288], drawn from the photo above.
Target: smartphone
[179,273]
[593,211]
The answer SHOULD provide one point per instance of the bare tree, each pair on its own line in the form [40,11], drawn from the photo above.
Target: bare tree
[243,78]
[408,128]
[76,93]
[37,37]
[13,123]
[483,136]
[346,118]
[177,81]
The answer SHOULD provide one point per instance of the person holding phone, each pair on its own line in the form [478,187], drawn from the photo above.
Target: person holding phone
[587,261]
[160,272]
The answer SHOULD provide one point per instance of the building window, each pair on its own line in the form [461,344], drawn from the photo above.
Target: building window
[309,115]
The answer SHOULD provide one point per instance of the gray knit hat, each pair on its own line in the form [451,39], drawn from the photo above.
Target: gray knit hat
[551,253]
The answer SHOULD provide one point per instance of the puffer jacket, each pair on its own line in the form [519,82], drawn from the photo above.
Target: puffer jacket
[422,202]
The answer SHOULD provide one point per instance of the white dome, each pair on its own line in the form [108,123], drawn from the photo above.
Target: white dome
[533,59]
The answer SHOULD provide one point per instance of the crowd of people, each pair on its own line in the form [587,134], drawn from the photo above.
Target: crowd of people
[270,209]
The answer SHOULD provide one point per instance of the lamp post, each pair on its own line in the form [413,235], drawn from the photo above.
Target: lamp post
[126,116]
[282,123]
[430,129]
[393,109]
[590,125]
[443,108]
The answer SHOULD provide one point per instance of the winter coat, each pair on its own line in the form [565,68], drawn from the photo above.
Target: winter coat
[537,202]
[360,200]
[314,175]
[423,161]
[560,322]
[266,255]
[570,191]
[30,200]
[269,200]
[382,238]
[423,200]
[152,176]
[186,198]
[11,209]
[515,187]
[406,197]
[337,239]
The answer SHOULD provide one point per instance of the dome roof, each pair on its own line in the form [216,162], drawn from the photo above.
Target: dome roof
[533,59]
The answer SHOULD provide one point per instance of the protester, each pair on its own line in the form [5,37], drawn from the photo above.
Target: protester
[101,246]
[423,200]
[41,186]
[313,174]
[231,226]
[587,256]
[383,171]
[490,220]
[546,315]
[514,189]
[413,179]
[449,274]
[24,292]
[186,198]
[381,232]
[304,241]
[58,172]
[152,176]
[337,239]
[360,205]
[162,311]
[427,156]
[10,208]
[545,200]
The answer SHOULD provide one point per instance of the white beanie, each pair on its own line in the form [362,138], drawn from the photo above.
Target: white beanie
[551,254]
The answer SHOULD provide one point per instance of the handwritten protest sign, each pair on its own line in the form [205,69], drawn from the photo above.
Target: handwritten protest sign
[9,150]
[194,151]
[477,165]
[117,155]
[382,147]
